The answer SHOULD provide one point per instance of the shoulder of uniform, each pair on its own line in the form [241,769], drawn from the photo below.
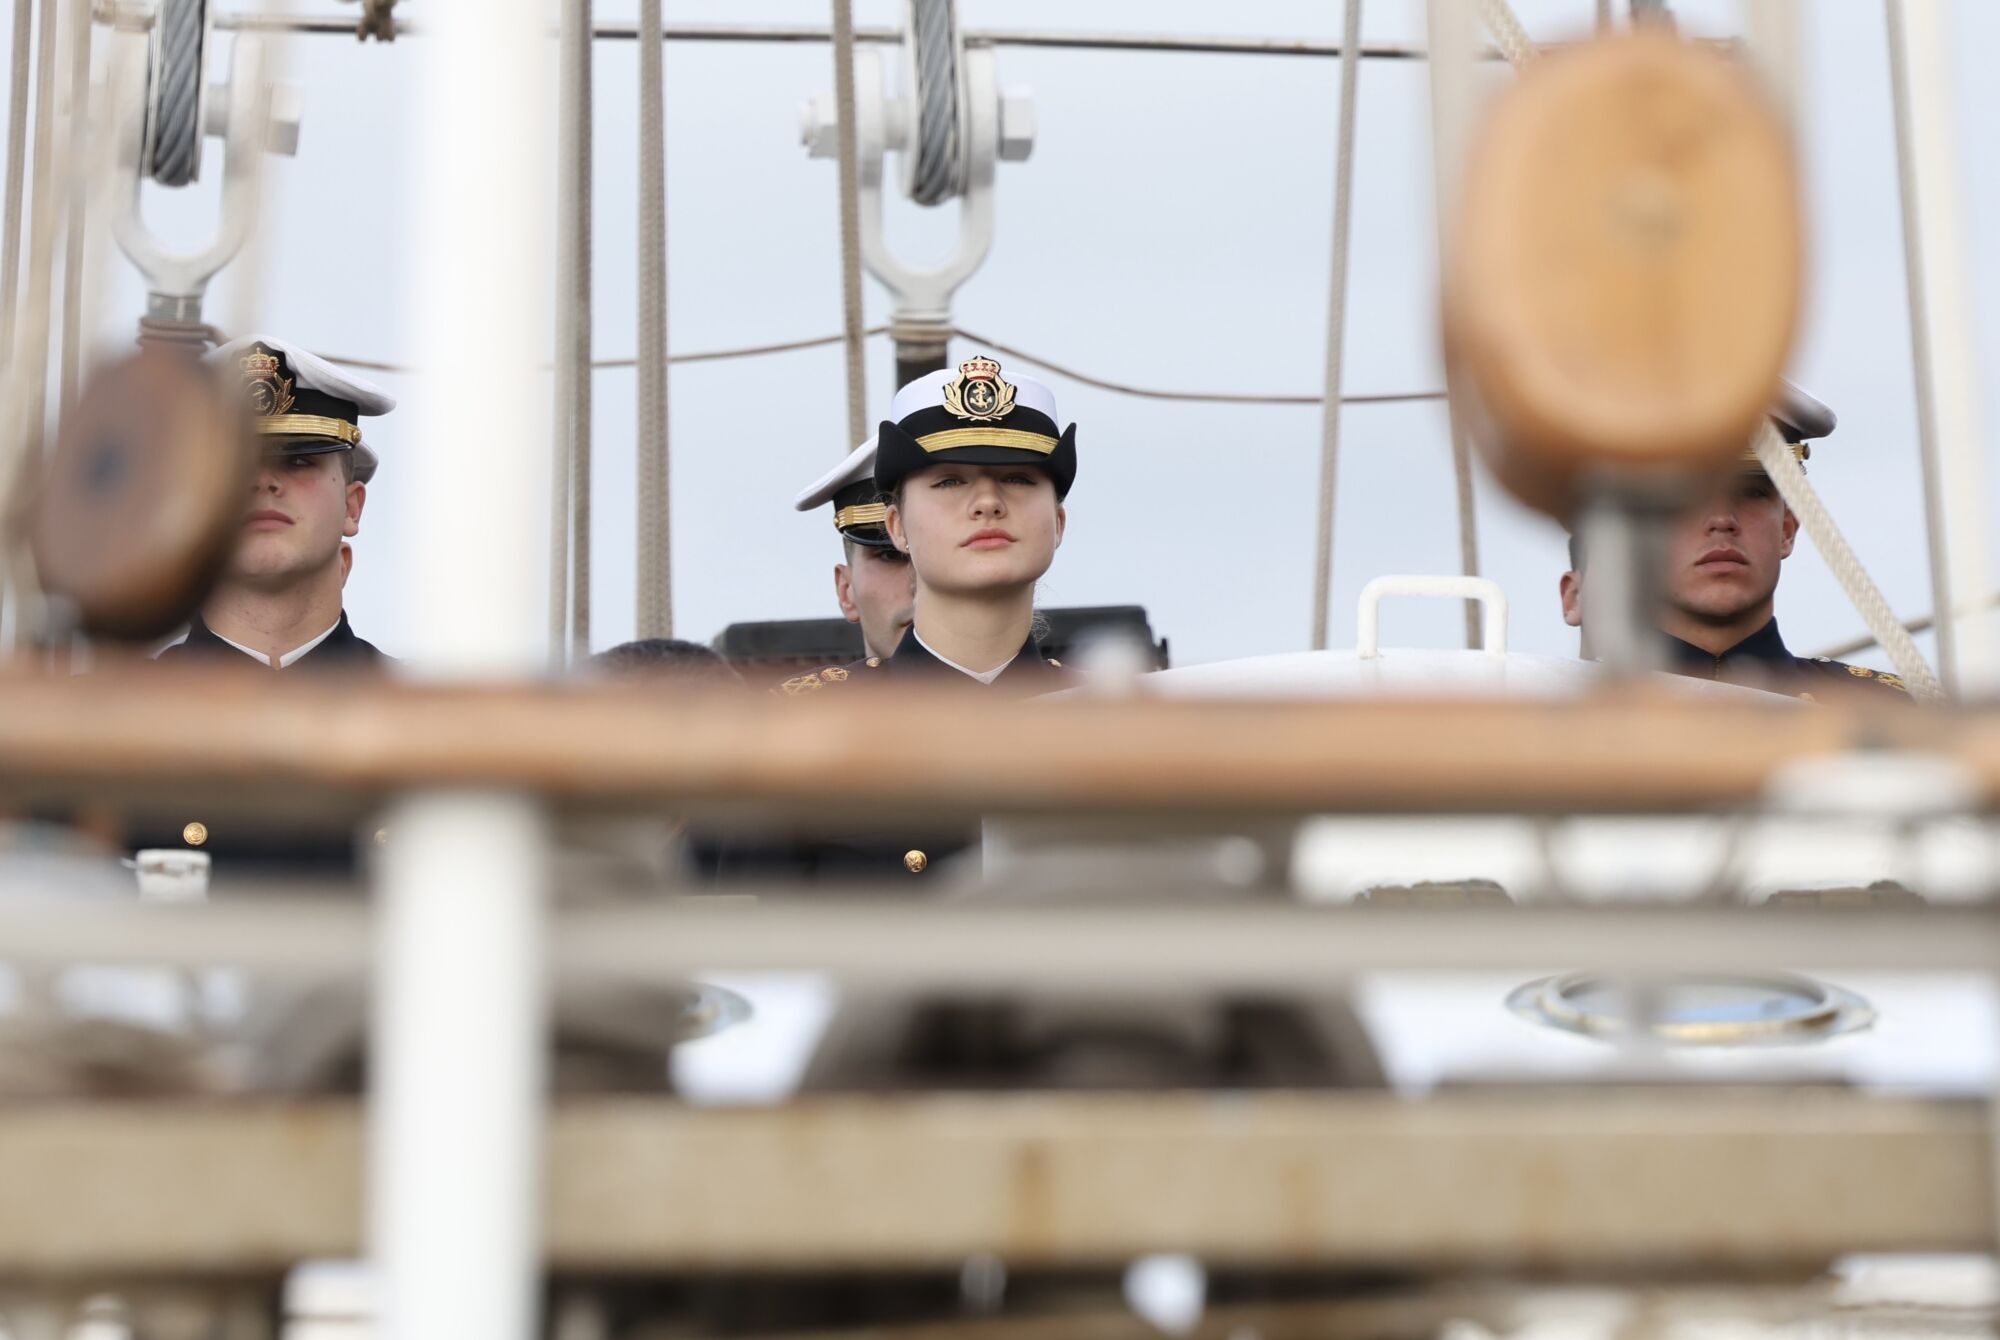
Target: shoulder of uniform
[825,676]
[1858,674]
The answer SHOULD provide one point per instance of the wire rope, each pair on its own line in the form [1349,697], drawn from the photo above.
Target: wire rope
[1336,320]
[655,584]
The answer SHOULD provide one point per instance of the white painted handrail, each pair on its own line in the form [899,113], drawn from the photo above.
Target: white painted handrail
[1492,608]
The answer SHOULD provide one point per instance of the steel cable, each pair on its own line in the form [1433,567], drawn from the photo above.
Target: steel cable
[655,585]
[935,176]
[571,447]
[984,342]
[177,76]
[850,223]
[1336,319]
[1922,364]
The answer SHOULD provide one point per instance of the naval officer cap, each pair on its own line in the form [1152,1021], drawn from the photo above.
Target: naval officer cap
[303,405]
[858,508]
[1799,416]
[975,416]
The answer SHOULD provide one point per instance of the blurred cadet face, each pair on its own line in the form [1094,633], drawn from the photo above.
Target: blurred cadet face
[1723,555]
[300,509]
[878,590]
[977,529]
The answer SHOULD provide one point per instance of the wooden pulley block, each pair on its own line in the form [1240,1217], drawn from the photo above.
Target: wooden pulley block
[144,496]
[1624,269]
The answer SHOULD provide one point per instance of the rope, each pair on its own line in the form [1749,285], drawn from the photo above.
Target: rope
[177,75]
[934,179]
[1336,319]
[17,171]
[167,332]
[850,222]
[1508,34]
[573,322]
[656,586]
[1790,478]
[1920,351]
[74,260]
[50,180]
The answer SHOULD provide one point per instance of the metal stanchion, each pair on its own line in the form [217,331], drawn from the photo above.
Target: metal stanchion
[457,1064]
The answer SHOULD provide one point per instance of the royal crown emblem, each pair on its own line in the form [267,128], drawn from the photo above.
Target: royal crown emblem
[977,393]
[267,392]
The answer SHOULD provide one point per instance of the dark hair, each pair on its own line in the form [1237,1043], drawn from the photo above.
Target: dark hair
[666,658]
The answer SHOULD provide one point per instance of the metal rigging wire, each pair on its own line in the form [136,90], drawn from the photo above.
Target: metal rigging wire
[984,342]
[850,222]
[1336,319]
[655,615]
[934,35]
[177,109]
[569,484]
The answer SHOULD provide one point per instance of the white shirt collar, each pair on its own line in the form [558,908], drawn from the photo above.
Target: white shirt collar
[286,660]
[983,676]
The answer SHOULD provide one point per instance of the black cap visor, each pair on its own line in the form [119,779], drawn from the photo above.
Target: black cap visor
[899,454]
[303,446]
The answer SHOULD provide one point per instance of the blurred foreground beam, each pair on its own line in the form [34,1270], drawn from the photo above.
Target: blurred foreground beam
[256,743]
[1560,1178]
[1059,940]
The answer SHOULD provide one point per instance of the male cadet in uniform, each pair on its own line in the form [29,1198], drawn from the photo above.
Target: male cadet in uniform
[1722,564]
[875,586]
[278,601]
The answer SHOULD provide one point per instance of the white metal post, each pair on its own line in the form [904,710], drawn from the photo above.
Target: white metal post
[456,1071]
[460,1015]
[1948,421]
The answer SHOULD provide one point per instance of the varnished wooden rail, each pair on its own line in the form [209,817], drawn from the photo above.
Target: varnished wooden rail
[331,749]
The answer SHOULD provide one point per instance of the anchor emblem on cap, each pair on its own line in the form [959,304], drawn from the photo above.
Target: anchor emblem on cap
[267,392]
[977,393]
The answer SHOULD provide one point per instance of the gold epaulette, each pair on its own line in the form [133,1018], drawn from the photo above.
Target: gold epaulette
[812,682]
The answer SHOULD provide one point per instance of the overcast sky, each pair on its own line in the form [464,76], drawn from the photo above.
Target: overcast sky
[1172,229]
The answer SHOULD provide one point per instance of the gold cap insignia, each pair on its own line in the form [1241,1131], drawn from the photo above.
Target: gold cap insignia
[977,393]
[267,392]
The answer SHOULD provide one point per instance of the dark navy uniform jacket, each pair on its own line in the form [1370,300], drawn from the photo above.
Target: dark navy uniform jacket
[1030,672]
[892,852]
[1762,661]
[341,648]
[238,847]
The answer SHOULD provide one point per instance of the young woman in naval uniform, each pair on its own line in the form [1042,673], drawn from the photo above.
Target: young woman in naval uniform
[975,471]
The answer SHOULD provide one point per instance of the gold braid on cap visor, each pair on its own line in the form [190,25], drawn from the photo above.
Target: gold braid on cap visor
[987,437]
[861,514]
[309,425]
